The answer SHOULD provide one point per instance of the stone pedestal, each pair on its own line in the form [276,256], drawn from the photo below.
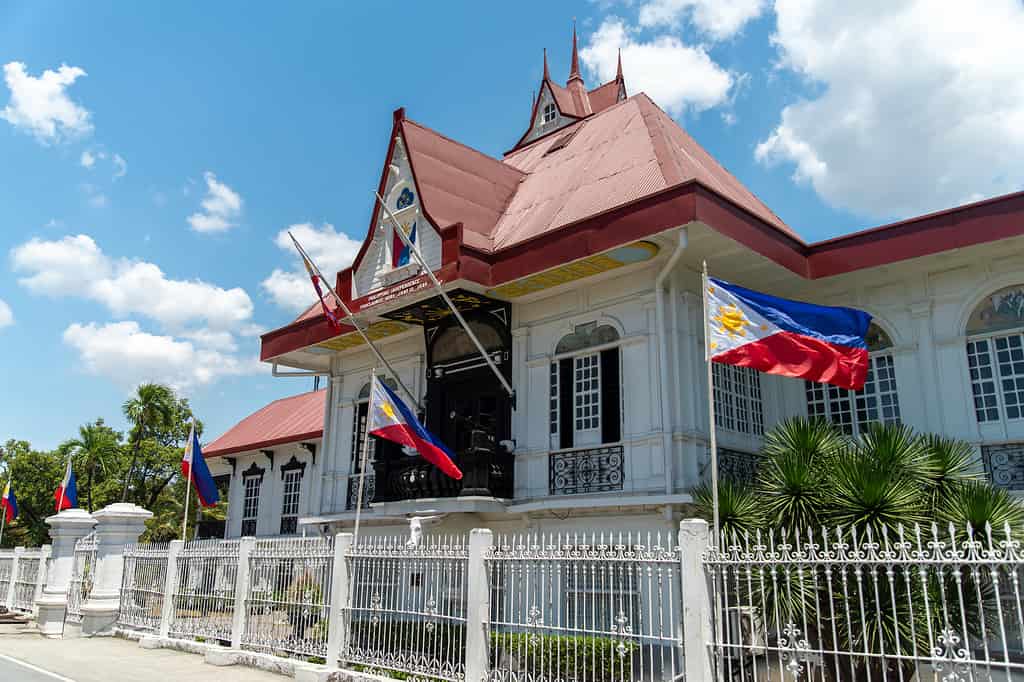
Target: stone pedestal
[116,526]
[66,528]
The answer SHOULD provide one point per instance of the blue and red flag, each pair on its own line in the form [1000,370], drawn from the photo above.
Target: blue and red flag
[775,335]
[9,503]
[391,419]
[193,468]
[66,494]
[399,249]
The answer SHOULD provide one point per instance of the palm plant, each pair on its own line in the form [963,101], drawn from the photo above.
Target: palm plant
[95,444]
[871,490]
[150,409]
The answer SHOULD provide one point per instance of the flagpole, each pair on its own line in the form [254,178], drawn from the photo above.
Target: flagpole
[712,444]
[188,481]
[355,323]
[437,285]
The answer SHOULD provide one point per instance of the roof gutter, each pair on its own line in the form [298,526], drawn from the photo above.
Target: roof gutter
[663,356]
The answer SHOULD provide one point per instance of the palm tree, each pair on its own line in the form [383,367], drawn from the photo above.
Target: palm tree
[94,444]
[150,409]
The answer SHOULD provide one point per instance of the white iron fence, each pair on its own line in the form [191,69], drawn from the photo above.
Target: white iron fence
[843,605]
[27,581]
[203,601]
[6,569]
[82,573]
[407,607]
[588,608]
[286,608]
[142,586]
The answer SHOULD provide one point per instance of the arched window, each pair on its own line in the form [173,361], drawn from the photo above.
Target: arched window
[878,401]
[995,355]
[585,394]
[359,425]
[453,342]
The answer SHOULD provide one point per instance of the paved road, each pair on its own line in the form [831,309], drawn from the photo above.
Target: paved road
[31,658]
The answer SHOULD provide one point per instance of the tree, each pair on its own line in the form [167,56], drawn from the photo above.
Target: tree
[150,410]
[816,484]
[35,475]
[95,445]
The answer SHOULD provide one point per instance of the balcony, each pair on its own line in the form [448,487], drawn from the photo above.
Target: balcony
[487,471]
[590,470]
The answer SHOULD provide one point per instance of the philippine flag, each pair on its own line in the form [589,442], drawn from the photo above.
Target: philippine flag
[9,504]
[193,467]
[399,250]
[66,494]
[775,335]
[392,420]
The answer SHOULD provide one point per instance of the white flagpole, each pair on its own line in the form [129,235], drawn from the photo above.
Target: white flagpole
[355,323]
[188,481]
[713,444]
[437,285]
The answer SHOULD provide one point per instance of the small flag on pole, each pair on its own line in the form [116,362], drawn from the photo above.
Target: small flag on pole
[331,316]
[392,420]
[775,335]
[399,248]
[193,467]
[9,503]
[66,494]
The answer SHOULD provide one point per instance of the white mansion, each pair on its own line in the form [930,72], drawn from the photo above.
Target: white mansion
[575,258]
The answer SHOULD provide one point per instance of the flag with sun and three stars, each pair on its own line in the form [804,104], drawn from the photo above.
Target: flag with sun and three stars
[822,344]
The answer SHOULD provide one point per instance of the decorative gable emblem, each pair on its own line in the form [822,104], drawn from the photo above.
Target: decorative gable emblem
[405,199]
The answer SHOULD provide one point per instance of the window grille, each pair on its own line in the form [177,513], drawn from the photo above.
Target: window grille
[587,392]
[292,485]
[738,405]
[251,504]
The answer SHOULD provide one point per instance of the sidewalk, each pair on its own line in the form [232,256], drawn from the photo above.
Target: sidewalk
[110,659]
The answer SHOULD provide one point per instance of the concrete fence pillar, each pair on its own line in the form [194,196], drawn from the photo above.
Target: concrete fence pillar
[245,548]
[697,600]
[116,526]
[170,587]
[66,528]
[44,559]
[340,624]
[9,597]
[478,604]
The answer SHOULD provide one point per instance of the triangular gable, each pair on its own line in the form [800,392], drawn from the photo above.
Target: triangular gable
[550,95]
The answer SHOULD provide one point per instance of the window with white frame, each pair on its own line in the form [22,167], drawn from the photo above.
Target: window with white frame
[738,405]
[549,114]
[291,490]
[584,399]
[878,401]
[252,481]
[359,429]
[995,356]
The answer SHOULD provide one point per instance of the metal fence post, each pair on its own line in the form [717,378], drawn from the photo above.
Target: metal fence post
[245,547]
[9,597]
[339,629]
[697,600]
[170,586]
[478,605]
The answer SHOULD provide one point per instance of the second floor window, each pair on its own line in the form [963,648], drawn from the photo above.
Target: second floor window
[878,401]
[585,395]
[738,405]
[995,356]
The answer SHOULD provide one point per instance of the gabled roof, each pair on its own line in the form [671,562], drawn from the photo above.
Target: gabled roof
[288,420]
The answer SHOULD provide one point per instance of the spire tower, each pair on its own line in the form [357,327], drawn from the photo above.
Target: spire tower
[574,70]
[547,76]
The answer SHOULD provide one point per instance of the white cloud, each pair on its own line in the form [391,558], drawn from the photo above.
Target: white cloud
[76,266]
[120,166]
[330,250]
[88,159]
[921,104]
[677,76]
[124,353]
[6,316]
[41,106]
[718,19]
[220,208]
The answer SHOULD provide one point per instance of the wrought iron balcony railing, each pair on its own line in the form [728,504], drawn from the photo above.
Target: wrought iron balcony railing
[588,470]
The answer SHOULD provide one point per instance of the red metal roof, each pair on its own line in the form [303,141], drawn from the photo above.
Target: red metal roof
[288,420]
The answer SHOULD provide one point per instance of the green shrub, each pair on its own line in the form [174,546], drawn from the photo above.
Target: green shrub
[565,657]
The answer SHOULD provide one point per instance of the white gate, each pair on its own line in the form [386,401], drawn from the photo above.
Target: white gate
[81,576]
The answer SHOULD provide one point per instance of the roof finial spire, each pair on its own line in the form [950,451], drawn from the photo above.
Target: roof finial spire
[574,70]
[618,70]
[547,76]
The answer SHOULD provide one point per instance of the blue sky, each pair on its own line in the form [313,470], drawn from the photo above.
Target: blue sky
[144,186]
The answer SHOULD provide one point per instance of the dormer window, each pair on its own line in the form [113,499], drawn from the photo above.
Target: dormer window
[549,114]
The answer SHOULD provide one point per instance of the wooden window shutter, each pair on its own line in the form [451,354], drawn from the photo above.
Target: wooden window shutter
[611,401]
